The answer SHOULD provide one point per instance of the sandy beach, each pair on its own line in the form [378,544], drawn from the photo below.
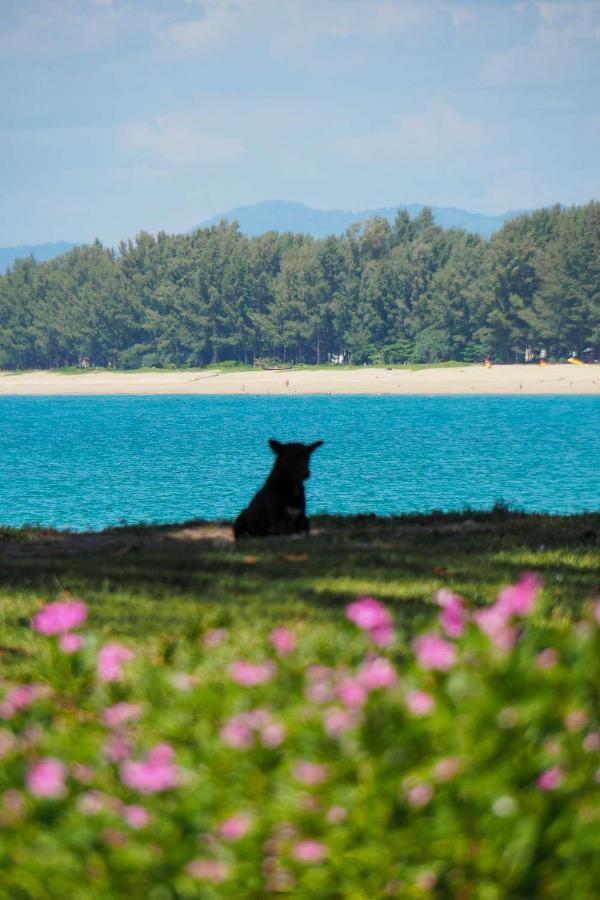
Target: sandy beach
[516,379]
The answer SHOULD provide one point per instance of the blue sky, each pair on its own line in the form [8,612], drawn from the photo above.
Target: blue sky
[118,115]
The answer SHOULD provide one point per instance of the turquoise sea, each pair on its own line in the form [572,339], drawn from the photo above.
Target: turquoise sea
[89,462]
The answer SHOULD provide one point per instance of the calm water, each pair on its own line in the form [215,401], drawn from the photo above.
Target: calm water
[89,462]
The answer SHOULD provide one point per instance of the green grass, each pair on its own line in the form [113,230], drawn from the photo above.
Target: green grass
[147,583]
[241,367]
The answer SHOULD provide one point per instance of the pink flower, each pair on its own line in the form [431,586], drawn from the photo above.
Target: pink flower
[24,695]
[518,599]
[336,815]
[61,616]
[272,735]
[236,733]
[452,616]
[338,720]
[250,674]
[576,720]
[351,692]
[446,768]
[493,621]
[8,742]
[116,749]
[434,652]
[111,659]
[376,673]
[546,659]
[120,713]
[320,684]
[92,802]
[419,703]
[311,773]
[212,870]
[419,794]
[215,636]
[597,611]
[183,681]
[283,640]
[426,881]
[590,744]
[46,778]
[309,851]
[383,635]
[235,827]
[136,816]
[156,773]
[83,773]
[368,613]
[550,779]
[70,643]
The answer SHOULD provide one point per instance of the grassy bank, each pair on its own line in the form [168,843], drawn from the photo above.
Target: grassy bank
[148,583]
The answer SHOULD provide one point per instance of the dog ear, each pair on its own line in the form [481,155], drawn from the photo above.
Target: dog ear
[275,446]
[315,446]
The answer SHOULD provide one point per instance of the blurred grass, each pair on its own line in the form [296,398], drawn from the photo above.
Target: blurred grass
[150,583]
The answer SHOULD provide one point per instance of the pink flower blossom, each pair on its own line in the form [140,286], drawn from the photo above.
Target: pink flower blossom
[452,616]
[24,695]
[591,742]
[576,720]
[377,673]
[183,681]
[550,779]
[250,674]
[215,636]
[61,616]
[419,794]
[236,733]
[311,773]
[83,773]
[212,870]
[434,652]
[368,613]
[446,768]
[111,659]
[383,635]
[351,692]
[546,659]
[235,827]
[70,643]
[156,773]
[419,703]
[494,621]
[120,713]
[283,640]
[426,881]
[519,599]
[46,778]
[338,720]
[116,749]
[309,851]
[320,684]
[92,803]
[336,815]
[272,735]
[136,816]
[597,611]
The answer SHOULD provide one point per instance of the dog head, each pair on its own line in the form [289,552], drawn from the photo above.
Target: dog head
[293,459]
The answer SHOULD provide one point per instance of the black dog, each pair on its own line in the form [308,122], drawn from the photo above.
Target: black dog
[280,505]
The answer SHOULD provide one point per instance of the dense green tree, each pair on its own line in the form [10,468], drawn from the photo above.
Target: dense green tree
[410,291]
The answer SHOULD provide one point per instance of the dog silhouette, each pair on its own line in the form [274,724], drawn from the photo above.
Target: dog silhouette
[280,505]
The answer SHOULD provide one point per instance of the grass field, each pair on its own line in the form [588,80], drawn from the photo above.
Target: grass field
[147,583]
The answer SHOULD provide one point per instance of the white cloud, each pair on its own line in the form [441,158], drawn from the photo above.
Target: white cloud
[179,141]
[434,134]
[565,37]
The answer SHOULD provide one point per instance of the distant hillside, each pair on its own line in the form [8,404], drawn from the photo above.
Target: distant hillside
[279,215]
[40,252]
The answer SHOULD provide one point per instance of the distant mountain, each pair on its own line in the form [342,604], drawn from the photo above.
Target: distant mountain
[38,251]
[279,215]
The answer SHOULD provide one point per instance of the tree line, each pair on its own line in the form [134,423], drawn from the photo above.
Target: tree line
[386,293]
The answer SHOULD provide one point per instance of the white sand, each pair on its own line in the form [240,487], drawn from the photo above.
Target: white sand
[517,379]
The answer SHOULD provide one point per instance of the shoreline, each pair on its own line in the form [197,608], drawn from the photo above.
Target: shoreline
[511,380]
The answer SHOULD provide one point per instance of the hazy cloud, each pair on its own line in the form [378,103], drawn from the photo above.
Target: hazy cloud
[179,141]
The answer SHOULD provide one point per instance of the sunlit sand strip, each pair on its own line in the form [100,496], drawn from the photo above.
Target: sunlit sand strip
[515,380]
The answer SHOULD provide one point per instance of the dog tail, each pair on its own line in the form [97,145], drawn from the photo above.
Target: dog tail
[240,526]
